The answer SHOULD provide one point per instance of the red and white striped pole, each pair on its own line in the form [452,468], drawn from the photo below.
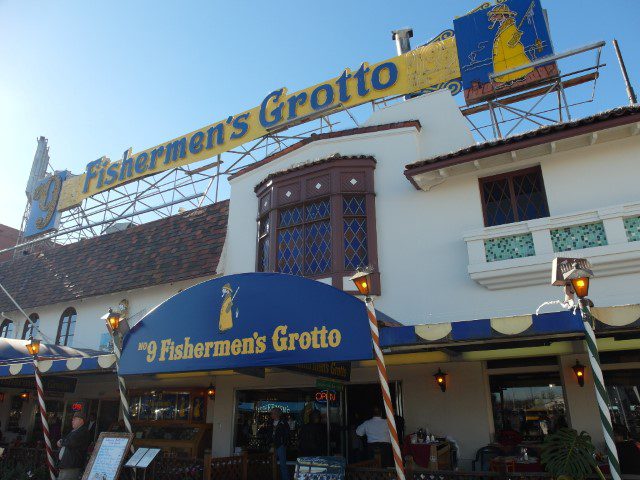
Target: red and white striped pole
[43,419]
[384,384]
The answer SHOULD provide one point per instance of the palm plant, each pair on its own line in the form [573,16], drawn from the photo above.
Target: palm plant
[569,454]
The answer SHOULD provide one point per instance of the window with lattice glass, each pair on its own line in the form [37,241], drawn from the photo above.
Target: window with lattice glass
[318,221]
[304,238]
[513,197]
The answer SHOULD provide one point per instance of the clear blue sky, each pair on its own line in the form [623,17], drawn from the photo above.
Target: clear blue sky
[98,77]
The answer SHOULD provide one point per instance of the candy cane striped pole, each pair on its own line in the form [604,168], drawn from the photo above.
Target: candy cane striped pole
[43,419]
[384,384]
[124,402]
[601,392]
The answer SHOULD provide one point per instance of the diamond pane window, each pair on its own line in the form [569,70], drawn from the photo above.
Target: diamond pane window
[327,229]
[263,244]
[529,196]
[290,216]
[354,205]
[317,210]
[355,243]
[513,197]
[263,253]
[317,248]
[290,250]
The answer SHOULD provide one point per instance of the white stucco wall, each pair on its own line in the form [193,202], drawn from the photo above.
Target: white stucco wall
[422,256]
[89,327]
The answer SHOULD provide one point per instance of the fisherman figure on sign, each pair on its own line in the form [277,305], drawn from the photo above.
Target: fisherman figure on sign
[226,310]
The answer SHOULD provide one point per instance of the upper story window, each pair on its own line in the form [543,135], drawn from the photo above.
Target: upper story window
[6,328]
[31,328]
[66,327]
[513,197]
[318,221]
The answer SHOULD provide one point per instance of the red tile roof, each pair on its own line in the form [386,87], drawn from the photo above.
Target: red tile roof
[314,137]
[547,133]
[176,248]
[8,238]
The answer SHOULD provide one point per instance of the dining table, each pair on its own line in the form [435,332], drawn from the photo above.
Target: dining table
[516,464]
[434,455]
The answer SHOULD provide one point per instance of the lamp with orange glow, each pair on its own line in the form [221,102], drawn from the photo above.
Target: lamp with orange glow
[362,280]
[211,391]
[579,276]
[24,395]
[441,379]
[578,370]
[33,347]
[112,320]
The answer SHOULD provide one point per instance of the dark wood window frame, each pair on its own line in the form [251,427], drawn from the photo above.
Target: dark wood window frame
[68,313]
[4,328]
[509,177]
[27,330]
[332,179]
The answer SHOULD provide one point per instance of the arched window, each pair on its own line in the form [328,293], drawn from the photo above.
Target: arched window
[66,327]
[6,329]
[31,328]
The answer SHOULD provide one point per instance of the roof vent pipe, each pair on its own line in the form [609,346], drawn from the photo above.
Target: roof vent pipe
[402,39]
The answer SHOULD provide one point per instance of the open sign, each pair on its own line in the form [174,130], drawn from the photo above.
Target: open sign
[324,395]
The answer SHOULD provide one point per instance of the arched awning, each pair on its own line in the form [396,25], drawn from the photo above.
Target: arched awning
[248,320]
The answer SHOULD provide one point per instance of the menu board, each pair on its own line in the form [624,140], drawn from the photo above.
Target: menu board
[142,458]
[108,455]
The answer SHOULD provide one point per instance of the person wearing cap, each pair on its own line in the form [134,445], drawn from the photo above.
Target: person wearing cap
[73,449]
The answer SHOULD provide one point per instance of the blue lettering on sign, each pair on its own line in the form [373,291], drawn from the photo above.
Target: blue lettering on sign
[269,118]
[392,70]
[43,215]
[249,320]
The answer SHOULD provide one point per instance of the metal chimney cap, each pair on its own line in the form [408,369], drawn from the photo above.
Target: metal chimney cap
[407,31]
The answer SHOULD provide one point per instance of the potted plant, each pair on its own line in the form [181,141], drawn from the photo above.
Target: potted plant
[569,454]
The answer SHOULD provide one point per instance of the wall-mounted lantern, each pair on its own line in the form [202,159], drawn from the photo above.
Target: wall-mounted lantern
[441,379]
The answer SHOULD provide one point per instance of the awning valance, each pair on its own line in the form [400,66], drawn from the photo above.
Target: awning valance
[16,361]
[564,324]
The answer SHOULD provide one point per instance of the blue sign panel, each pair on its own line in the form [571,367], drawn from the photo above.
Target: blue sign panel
[497,38]
[44,216]
[248,320]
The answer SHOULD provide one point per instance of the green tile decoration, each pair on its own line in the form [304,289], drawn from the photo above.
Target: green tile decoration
[578,237]
[632,227]
[506,248]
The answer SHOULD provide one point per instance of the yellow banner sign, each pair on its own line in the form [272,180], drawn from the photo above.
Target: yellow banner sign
[431,65]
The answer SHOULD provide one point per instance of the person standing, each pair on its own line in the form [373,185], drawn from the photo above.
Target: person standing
[73,449]
[280,439]
[312,439]
[378,437]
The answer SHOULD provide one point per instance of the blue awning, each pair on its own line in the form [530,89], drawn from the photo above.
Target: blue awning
[16,361]
[520,327]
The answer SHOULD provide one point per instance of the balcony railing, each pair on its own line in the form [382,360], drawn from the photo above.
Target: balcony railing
[518,254]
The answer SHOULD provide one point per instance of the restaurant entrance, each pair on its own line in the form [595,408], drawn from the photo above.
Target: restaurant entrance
[360,400]
[303,408]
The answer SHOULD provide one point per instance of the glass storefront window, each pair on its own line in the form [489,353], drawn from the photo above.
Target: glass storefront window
[624,392]
[527,407]
[163,406]
[253,423]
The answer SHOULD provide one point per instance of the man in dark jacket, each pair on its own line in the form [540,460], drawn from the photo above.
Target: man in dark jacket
[73,449]
[280,439]
[312,439]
